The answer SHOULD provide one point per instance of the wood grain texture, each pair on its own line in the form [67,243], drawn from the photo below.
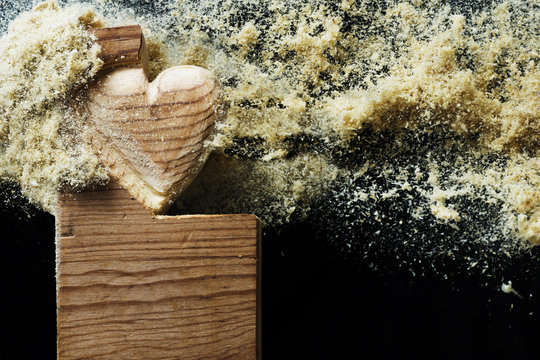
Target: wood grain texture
[152,136]
[122,46]
[135,286]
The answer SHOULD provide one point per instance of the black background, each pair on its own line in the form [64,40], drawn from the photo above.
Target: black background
[318,302]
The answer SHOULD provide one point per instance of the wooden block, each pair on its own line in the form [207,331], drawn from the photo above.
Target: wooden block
[122,46]
[135,286]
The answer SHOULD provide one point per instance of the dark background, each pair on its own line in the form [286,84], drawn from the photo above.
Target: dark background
[320,301]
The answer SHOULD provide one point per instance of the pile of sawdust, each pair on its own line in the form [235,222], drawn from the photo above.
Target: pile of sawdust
[47,54]
[309,86]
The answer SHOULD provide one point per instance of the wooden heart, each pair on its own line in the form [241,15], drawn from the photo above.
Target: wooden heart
[152,136]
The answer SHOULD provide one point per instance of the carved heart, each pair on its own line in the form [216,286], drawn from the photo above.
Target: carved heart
[152,135]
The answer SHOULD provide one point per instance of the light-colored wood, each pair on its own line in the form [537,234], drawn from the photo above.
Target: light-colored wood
[135,286]
[152,136]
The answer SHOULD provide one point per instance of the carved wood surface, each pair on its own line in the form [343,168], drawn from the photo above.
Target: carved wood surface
[151,135]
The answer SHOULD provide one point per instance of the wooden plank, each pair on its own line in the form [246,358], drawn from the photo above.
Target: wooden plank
[135,286]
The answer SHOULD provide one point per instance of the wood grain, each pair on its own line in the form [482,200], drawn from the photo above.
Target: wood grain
[135,286]
[153,137]
[122,46]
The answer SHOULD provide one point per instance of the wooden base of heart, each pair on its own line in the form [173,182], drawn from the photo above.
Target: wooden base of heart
[135,286]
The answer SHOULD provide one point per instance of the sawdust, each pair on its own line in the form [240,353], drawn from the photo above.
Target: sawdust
[47,54]
[326,95]
[313,77]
